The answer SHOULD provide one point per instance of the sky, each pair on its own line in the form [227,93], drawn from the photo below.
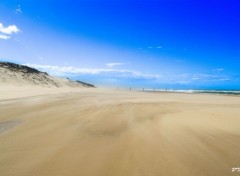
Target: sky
[174,44]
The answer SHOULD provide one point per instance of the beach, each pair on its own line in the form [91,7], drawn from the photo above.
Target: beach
[105,132]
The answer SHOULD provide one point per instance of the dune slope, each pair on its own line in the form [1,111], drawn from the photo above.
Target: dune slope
[20,75]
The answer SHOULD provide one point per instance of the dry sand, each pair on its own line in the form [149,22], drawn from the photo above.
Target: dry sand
[96,132]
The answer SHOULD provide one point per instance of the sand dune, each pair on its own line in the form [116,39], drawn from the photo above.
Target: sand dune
[21,75]
[109,133]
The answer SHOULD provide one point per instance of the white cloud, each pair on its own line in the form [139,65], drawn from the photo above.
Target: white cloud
[209,77]
[218,69]
[61,71]
[121,73]
[18,10]
[113,64]
[4,37]
[153,47]
[9,29]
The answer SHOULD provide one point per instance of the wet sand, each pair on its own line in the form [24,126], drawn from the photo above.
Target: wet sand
[114,133]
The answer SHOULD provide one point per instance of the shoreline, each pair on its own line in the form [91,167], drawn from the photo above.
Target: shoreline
[210,92]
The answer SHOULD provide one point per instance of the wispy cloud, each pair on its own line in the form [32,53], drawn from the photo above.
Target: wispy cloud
[18,10]
[121,73]
[5,32]
[61,71]
[4,37]
[210,77]
[218,70]
[113,64]
[151,47]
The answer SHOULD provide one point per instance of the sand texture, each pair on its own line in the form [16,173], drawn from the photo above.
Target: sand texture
[96,132]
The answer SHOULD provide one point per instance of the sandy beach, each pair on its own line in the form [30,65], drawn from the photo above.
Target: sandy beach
[101,132]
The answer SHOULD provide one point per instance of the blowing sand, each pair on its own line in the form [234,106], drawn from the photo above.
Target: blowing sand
[98,132]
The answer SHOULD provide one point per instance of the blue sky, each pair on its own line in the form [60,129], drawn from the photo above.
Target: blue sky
[180,44]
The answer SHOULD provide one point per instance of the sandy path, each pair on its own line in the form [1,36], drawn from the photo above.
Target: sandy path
[100,133]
